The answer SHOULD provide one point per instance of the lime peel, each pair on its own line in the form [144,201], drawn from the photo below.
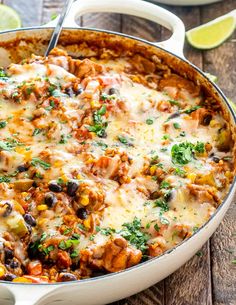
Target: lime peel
[9,18]
[213,33]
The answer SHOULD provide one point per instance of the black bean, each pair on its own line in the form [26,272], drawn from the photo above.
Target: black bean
[173,116]
[103,134]
[22,168]
[112,91]
[69,91]
[216,159]
[72,187]
[67,277]
[54,187]
[30,220]
[8,254]
[206,120]
[168,196]
[50,199]
[155,195]
[82,213]
[33,251]
[9,277]
[79,91]
[14,264]
[5,209]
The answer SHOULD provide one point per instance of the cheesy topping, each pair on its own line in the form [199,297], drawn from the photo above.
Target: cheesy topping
[102,166]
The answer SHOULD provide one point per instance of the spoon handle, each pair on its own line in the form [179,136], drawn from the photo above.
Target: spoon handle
[57,31]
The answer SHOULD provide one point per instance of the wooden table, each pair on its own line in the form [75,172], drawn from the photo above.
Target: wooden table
[209,277]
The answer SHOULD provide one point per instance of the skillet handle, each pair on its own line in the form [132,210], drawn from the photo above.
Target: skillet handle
[137,8]
[24,294]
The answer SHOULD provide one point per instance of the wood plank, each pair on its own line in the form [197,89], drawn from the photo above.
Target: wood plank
[30,11]
[106,21]
[51,8]
[222,62]
[141,28]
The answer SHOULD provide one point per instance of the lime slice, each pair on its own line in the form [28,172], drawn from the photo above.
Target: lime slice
[213,33]
[9,18]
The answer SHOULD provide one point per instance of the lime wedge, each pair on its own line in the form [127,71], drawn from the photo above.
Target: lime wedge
[213,33]
[9,18]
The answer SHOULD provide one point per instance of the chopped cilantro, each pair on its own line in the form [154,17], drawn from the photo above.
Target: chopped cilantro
[182,133]
[164,220]
[4,179]
[161,203]
[180,172]
[63,139]
[183,153]
[156,227]
[174,102]
[191,109]
[133,233]
[43,164]
[176,125]
[67,231]
[74,254]
[37,131]
[149,121]
[3,124]
[66,244]
[102,110]
[99,126]
[164,185]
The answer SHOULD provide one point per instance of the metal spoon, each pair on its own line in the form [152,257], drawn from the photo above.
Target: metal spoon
[57,31]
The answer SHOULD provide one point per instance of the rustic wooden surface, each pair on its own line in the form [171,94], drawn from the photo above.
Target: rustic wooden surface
[209,278]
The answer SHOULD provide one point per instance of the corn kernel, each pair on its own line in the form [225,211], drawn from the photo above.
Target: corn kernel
[153,169]
[192,177]
[42,207]
[2,271]
[87,223]
[42,221]
[22,279]
[89,160]
[79,177]
[228,174]
[94,104]
[58,163]
[19,208]
[84,200]
[213,123]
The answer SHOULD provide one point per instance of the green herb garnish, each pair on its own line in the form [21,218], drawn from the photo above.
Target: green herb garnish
[149,121]
[133,233]
[43,164]
[183,153]
[3,124]
[191,109]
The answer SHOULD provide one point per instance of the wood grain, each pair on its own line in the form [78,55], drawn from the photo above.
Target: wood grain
[222,62]
[29,11]
[51,8]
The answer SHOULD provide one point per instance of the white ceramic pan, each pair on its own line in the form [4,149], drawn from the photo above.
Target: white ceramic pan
[186,2]
[18,44]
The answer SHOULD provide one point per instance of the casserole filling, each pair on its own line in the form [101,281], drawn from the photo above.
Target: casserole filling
[103,164]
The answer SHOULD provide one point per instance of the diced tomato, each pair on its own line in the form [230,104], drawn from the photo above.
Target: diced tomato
[37,279]
[35,268]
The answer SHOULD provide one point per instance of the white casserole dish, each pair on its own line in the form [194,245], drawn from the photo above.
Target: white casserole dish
[18,44]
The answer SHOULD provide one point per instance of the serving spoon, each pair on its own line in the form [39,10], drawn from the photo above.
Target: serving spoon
[57,31]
